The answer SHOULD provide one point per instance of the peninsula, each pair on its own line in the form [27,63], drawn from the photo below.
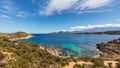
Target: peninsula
[14,36]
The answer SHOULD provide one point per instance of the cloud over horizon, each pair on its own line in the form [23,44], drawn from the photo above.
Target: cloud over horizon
[72,5]
[75,28]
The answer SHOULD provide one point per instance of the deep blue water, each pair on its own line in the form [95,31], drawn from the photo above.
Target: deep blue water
[72,44]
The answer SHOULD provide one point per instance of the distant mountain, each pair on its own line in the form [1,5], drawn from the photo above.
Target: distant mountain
[117,32]
[102,30]
[63,32]
[98,29]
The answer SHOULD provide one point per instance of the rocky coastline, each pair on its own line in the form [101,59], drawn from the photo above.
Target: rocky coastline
[54,51]
[51,57]
[21,38]
[110,50]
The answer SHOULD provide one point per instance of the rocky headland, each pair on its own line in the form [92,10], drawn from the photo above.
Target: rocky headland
[14,36]
[110,50]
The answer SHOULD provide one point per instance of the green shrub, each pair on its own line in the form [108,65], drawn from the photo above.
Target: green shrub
[77,66]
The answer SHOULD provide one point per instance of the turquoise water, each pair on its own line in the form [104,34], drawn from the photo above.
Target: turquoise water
[72,44]
[76,50]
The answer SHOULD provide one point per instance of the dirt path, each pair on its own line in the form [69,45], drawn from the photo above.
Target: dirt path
[113,63]
[71,64]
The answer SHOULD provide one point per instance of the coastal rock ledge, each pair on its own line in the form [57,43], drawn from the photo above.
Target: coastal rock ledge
[110,50]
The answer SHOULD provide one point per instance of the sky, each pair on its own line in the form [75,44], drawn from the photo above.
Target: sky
[44,16]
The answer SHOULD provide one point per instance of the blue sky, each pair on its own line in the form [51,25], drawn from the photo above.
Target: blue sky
[44,16]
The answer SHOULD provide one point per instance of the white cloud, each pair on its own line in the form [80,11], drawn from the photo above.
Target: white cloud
[93,26]
[23,14]
[6,17]
[93,11]
[72,5]
[90,4]
[10,8]
[57,5]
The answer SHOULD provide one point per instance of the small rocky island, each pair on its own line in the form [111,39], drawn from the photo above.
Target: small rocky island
[110,50]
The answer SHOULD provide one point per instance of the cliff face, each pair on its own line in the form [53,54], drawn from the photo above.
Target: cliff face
[110,50]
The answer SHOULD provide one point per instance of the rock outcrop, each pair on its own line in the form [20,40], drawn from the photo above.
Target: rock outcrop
[110,50]
[54,51]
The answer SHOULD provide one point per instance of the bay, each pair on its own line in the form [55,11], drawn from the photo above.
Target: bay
[72,44]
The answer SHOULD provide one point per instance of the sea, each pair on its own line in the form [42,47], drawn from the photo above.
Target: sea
[72,44]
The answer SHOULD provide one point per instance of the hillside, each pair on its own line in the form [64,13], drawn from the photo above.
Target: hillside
[114,32]
[25,55]
[106,32]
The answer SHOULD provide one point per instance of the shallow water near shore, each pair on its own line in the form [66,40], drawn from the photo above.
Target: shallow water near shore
[72,44]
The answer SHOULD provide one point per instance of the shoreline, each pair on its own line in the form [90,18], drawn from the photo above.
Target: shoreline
[59,52]
[54,51]
[22,38]
[62,54]
[14,36]
[29,49]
